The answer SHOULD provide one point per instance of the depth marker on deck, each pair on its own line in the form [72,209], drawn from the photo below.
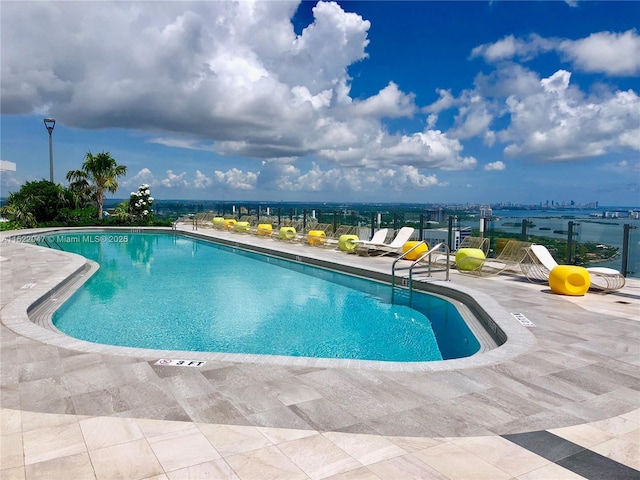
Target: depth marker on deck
[167,362]
[522,319]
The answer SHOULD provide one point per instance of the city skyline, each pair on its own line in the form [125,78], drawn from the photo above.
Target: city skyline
[410,102]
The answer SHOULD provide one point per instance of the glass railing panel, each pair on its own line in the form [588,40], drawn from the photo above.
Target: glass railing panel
[633,258]
[597,240]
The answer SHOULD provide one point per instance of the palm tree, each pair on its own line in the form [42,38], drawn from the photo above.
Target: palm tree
[81,192]
[100,171]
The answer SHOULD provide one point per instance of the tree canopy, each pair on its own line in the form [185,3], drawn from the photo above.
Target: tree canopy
[99,173]
[36,202]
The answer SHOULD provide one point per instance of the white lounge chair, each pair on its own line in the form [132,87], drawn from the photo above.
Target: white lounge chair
[378,237]
[379,249]
[539,262]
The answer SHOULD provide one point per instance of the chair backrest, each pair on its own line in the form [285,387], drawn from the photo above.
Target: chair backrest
[380,236]
[476,242]
[343,230]
[513,252]
[311,225]
[544,256]
[297,224]
[404,234]
[325,227]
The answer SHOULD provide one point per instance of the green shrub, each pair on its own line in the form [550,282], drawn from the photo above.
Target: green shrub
[35,202]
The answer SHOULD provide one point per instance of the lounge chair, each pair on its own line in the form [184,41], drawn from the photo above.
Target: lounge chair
[476,242]
[264,230]
[334,238]
[303,229]
[539,262]
[203,219]
[513,253]
[263,227]
[379,249]
[440,258]
[287,230]
[378,237]
[245,224]
[316,234]
[509,259]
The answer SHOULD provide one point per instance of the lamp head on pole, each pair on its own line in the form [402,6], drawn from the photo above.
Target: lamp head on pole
[49,123]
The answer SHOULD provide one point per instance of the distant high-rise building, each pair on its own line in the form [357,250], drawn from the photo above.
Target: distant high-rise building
[485,211]
[434,236]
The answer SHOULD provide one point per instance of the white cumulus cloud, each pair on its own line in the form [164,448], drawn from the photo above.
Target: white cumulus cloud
[231,77]
[608,52]
[389,102]
[612,53]
[201,180]
[495,166]
[173,180]
[559,122]
[143,176]
[510,47]
[236,179]
[549,119]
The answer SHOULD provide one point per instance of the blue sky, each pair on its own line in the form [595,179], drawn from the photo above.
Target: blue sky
[434,102]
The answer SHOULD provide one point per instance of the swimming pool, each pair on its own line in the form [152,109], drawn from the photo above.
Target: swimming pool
[173,292]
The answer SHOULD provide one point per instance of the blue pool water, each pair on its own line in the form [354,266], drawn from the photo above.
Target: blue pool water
[174,292]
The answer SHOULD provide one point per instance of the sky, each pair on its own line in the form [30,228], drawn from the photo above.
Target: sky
[376,101]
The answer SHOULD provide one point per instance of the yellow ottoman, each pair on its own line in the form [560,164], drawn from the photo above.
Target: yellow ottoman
[469,259]
[346,243]
[229,223]
[241,227]
[316,238]
[569,280]
[417,253]
[218,222]
[287,233]
[265,230]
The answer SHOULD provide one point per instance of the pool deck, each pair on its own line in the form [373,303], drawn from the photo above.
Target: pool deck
[560,400]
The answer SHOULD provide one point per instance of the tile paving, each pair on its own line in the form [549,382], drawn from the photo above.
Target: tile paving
[73,411]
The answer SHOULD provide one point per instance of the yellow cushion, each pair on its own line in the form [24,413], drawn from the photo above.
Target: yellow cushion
[229,223]
[346,243]
[265,229]
[241,227]
[569,280]
[316,237]
[218,222]
[469,259]
[287,233]
[417,253]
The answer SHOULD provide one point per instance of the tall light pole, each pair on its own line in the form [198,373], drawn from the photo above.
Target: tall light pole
[49,123]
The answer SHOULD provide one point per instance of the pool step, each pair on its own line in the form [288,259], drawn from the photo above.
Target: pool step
[41,312]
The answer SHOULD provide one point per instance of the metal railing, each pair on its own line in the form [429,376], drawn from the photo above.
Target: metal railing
[44,240]
[420,260]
